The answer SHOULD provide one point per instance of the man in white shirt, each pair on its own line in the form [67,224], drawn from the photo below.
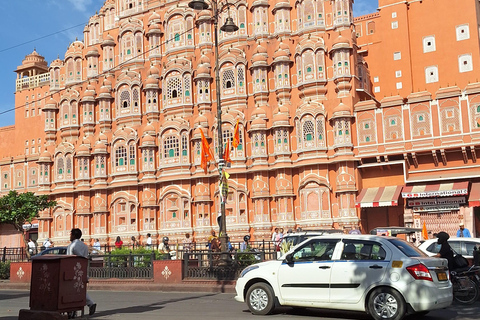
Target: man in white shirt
[31,246]
[149,241]
[78,248]
[96,246]
[47,244]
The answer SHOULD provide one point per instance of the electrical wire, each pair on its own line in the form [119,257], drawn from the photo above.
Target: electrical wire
[107,71]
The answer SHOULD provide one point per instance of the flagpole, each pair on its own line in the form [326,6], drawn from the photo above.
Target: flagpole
[229,26]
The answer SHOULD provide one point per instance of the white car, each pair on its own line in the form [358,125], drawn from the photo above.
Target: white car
[463,246]
[383,276]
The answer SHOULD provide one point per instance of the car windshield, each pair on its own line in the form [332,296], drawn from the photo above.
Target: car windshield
[406,248]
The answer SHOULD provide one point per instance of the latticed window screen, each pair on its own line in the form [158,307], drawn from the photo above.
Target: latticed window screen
[241,76]
[69,165]
[320,132]
[308,131]
[450,119]
[228,79]
[475,116]
[132,154]
[184,145]
[420,123]
[135,97]
[120,156]
[186,85]
[125,99]
[60,166]
[170,147]
[174,88]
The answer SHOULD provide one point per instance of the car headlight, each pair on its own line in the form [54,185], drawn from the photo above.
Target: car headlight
[248,269]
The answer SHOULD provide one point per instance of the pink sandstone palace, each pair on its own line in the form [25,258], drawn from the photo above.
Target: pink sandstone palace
[344,122]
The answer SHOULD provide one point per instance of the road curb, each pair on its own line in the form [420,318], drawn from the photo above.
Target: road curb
[210,286]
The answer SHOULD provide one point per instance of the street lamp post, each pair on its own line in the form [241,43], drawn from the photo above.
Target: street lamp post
[229,26]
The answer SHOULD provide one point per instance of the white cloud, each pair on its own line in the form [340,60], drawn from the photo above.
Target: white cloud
[81,5]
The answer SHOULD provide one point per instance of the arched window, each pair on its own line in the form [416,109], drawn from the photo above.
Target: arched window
[60,166]
[120,156]
[171,147]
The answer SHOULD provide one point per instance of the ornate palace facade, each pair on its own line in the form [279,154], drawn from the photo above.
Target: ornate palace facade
[329,121]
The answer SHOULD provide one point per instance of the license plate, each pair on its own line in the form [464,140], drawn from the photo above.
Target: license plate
[442,276]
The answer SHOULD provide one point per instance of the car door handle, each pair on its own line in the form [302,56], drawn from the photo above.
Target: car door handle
[375,266]
[324,267]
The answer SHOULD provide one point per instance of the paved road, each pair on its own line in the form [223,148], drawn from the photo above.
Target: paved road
[202,306]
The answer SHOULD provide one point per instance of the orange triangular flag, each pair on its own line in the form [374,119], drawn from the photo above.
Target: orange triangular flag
[206,148]
[424,231]
[236,136]
[206,153]
[226,154]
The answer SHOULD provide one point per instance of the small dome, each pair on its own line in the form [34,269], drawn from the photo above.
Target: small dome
[151,81]
[258,124]
[200,120]
[280,53]
[83,150]
[153,71]
[148,141]
[341,40]
[154,16]
[259,58]
[203,69]
[92,52]
[205,14]
[100,147]
[341,110]
[258,112]
[204,59]
[260,49]
[149,128]
[45,156]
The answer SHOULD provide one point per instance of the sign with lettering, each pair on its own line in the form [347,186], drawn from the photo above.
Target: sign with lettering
[436,201]
[438,208]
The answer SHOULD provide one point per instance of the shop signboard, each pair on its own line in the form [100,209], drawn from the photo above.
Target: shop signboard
[436,201]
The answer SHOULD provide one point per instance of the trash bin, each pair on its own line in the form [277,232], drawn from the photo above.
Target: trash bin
[59,283]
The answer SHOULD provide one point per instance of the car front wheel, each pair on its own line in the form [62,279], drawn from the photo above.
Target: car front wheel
[386,304]
[260,299]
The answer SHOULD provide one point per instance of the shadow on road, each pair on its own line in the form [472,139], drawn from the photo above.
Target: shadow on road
[13,296]
[144,307]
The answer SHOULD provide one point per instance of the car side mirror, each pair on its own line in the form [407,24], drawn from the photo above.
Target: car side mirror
[289,258]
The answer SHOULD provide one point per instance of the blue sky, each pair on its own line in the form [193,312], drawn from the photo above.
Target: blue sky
[28,20]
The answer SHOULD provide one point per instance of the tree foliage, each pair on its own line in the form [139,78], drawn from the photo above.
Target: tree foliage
[18,208]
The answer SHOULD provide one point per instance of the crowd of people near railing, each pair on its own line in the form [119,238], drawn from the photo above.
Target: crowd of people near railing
[188,244]
[177,248]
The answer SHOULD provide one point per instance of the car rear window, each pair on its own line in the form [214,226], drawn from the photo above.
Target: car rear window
[406,248]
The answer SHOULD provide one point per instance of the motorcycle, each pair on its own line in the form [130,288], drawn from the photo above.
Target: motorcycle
[465,285]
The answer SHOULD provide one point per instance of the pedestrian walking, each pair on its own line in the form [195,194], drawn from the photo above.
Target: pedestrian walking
[78,248]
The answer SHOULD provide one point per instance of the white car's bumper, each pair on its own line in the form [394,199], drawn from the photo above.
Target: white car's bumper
[240,285]
[426,296]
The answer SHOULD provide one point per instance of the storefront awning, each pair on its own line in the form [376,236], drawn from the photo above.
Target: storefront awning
[474,198]
[435,190]
[378,197]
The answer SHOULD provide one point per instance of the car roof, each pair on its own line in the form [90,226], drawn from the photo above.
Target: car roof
[395,230]
[456,239]
[314,232]
[354,236]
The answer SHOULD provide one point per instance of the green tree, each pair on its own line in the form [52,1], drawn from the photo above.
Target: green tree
[18,208]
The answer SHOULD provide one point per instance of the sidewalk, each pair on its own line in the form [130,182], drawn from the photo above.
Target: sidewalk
[143,285]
